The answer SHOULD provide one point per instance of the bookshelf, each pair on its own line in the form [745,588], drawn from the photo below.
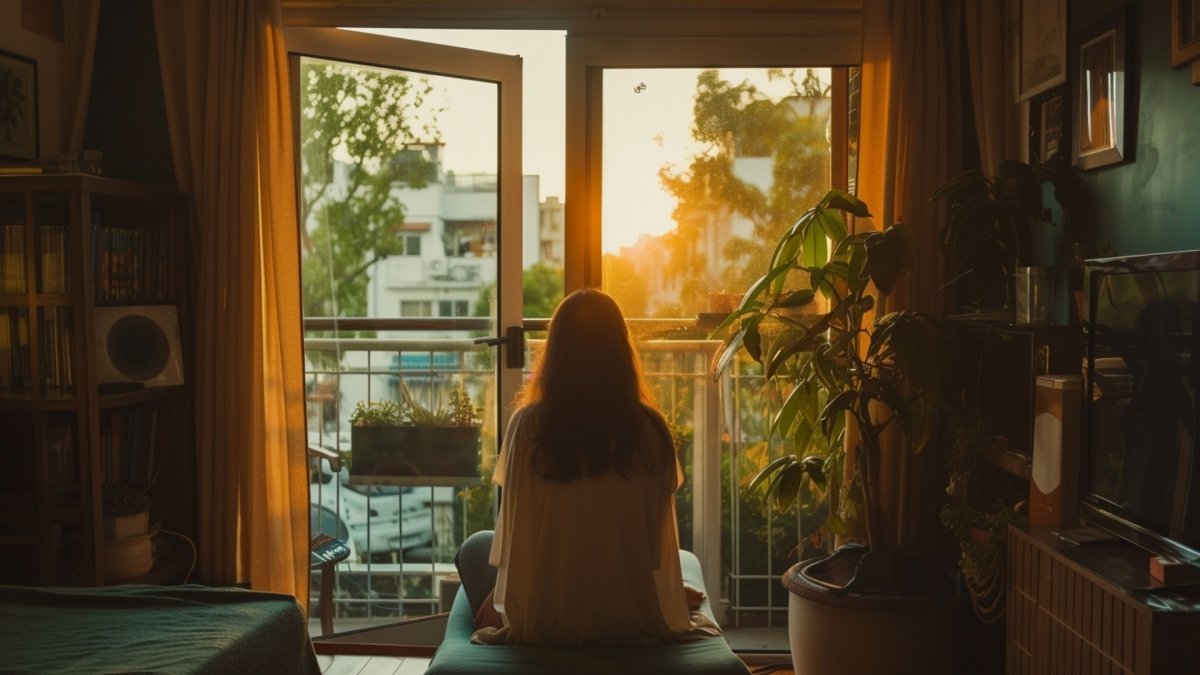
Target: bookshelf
[72,247]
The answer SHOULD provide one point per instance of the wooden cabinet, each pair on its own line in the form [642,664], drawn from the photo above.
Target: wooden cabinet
[1093,608]
[73,248]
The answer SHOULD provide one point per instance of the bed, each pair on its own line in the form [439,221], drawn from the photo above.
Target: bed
[172,629]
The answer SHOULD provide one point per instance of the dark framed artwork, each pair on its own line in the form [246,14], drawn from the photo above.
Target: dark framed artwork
[1050,129]
[18,107]
[1100,124]
[1185,31]
[1043,47]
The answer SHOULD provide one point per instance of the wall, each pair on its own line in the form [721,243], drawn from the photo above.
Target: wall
[1150,203]
[49,56]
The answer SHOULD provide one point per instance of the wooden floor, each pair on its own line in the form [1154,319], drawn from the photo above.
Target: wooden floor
[352,664]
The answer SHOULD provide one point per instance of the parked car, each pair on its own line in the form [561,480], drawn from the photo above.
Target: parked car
[379,518]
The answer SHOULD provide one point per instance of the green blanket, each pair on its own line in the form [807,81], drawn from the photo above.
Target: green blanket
[171,629]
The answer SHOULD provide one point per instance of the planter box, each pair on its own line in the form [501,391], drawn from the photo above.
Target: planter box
[415,455]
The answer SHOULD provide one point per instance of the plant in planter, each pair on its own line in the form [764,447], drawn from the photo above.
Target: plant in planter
[405,439]
[992,223]
[128,540]
[982,505]
[838,367]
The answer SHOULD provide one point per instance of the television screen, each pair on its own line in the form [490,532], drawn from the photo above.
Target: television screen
[1142,467]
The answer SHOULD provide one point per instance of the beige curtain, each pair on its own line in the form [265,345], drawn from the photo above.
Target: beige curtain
[226,82]
[988,58]
[904,150]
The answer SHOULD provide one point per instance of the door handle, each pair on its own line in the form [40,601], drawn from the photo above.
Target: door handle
[514,346]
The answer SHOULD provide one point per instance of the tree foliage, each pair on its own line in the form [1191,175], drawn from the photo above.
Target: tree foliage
[358,129]
[738,120]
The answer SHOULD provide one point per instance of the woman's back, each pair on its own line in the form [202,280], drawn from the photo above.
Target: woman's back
[594,560]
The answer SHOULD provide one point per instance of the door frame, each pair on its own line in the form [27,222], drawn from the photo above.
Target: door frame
[500,69]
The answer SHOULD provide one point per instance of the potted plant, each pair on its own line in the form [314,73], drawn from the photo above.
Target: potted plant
[837,366]
[993,222]
[128,540]
[982,505]
[405,439]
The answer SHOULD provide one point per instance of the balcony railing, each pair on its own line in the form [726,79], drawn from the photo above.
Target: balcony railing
[405,536]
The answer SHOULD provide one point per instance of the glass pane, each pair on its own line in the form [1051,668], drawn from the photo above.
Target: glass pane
[703,169]
[543,148]
[399,271]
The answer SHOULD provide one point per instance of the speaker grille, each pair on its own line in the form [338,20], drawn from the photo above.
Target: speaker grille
[137,347]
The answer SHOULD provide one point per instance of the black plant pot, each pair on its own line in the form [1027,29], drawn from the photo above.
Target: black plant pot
[426,455]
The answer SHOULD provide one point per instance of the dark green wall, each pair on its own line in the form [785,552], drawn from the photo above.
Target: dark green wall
[1151,202]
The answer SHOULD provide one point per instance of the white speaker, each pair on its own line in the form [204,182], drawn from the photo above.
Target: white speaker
[138,344]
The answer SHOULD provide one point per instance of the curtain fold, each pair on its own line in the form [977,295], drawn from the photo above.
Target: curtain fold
[904,153]
[985,23]
[80,56]
[226,84]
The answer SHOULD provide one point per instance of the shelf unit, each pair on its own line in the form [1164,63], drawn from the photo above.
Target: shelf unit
[71,244]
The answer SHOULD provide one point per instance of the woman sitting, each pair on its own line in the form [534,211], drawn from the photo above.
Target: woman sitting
[586,543]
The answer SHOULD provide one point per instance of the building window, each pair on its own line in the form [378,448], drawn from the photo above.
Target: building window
[416,308]
[453,308]
[410,244]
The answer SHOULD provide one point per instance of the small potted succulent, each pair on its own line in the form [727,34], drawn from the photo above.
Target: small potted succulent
[128,539]
[405,439]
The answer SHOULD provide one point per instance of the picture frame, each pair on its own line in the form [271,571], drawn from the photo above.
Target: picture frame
[1185,32]
[1100,96]
[18,107]
[1051,142]
[1042,47]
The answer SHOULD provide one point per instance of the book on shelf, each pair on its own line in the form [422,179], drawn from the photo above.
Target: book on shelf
[129,442]
[12,258]
[58,350]
[54,258]
[119,256]
[14,349]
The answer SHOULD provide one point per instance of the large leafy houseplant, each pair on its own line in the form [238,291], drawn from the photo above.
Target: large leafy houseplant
[835,363]
[993,222]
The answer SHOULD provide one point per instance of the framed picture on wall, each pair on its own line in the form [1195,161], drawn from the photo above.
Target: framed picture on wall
[18,107]
[1099,138]
[1185,31]
[1043,46]
[1051,145]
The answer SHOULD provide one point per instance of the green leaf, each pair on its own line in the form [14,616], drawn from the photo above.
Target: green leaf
[843,402]
[815,468]
[752,340]
[769,471]
[816,248]
[782,421]
[844,201]
[787,488]
[836,525]
[796,299]
[726,353]
[888,256]
[832,225]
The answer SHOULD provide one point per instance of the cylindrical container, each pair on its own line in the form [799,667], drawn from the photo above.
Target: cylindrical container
[1034,295]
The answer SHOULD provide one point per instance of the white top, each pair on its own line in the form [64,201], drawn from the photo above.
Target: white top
[594,561]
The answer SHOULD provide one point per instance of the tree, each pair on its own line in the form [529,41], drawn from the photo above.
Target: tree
[541,291]
[740,121]
[359,128]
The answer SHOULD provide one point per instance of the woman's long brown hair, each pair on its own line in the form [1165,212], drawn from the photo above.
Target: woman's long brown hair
[592,404]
